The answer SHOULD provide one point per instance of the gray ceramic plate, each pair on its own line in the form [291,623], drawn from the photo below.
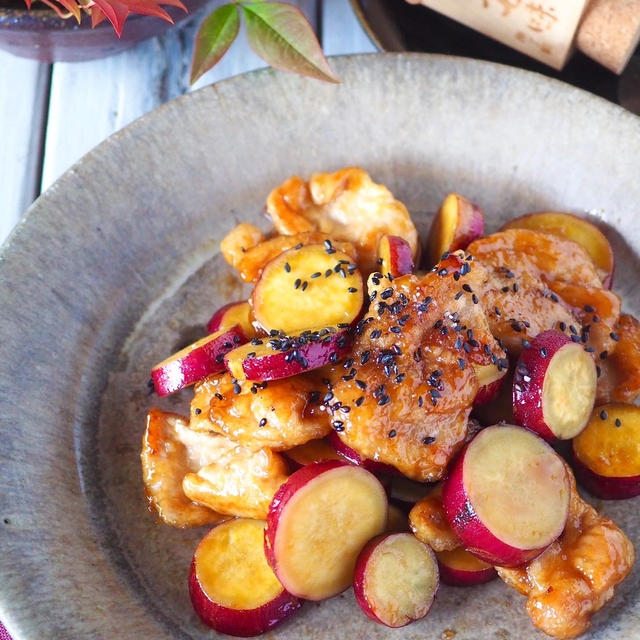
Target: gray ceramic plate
[117,265]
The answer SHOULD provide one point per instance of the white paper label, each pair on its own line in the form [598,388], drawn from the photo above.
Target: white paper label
[542,29]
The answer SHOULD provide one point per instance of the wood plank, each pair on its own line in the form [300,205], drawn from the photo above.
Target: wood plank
[341,31]
[25,85]
[91,100]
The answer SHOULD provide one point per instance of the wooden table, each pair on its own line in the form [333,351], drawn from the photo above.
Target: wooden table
[51,115]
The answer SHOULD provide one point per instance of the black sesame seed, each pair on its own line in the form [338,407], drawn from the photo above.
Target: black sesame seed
[604,355]
[333,358]
[505,289]
[603,415]
[327,244]
[443,271]
[461,364]
[384,399]
[562,326]
[338,425]
[458,295]
[297,283]
[588,308]
[352,290]
[359,401]
[467,288]
[575,338]
[420,401]
[298,246]
[474,298]
[515,287]
[618,422]
[305,284]
[589,349]
[543,352]
[554,297]
[218,395]
[392,433]
[364,358]
[287,267]
[236,388]
[317,274]
[375,334]
[456,275]
[387,293]
[525,343]
[198,411]
[614,336]
[428,440]
[572,329]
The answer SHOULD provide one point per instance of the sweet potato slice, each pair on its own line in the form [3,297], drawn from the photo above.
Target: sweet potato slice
[251,262]
[606,455]
[170,449]
[457,223]
[347,205]
[321,286]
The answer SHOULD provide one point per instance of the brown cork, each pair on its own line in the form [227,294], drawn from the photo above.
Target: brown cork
[610,32]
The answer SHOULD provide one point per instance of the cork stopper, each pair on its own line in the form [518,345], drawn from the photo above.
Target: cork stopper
[610,31]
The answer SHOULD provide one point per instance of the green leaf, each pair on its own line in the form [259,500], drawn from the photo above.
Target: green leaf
[214,37]
[280,34]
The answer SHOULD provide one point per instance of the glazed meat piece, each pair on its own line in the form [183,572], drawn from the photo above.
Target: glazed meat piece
[239,482]
[251,260]
[429,525]
[596,309]
[576,576]
[620,369]
[170,450]
[538,281]
[238,241]
[280,414]
[404,396]
[348,206]
[549,257]
[521,306]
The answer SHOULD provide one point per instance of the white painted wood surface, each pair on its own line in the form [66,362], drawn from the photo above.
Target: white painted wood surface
[23,101]
[55,114]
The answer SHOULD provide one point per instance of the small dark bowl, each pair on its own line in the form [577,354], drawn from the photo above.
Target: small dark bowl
[41,35]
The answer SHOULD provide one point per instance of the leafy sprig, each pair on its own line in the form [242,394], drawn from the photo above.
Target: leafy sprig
[278,32]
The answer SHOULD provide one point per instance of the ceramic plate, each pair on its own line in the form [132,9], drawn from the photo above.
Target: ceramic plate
[118,265]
